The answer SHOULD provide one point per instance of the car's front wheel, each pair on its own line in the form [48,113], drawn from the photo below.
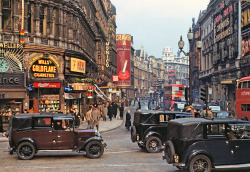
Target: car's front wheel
[26,151]
[94,149]
[200,163]
[153,144]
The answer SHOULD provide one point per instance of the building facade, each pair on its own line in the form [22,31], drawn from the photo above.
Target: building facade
[65,45]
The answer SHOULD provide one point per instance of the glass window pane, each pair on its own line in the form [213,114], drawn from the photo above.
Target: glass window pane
[240,84]
[244,84]
[248,107]
[175,88]
[6,3]
[243,107]
[6,19]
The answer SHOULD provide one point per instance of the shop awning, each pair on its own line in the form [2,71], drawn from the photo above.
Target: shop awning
[101,93]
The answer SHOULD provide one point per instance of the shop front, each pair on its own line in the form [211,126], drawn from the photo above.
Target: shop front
[46,91]
[12,80]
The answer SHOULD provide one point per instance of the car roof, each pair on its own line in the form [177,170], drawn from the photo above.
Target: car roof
[191,121]
[55,116]
[163,112]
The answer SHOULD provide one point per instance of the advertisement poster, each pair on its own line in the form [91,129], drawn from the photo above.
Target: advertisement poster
[123,45]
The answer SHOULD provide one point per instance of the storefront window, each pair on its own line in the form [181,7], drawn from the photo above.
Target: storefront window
[6,18]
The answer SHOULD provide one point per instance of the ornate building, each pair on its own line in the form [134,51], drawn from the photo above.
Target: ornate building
[65,43]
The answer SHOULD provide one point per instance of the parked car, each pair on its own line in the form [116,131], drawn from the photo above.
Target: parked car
[179,106]
[150,128]
[215,108]
[222,114]
[31,133]
[200,144]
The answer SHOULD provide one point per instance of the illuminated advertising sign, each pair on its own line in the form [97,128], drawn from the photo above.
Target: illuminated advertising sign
[77,65]
[44,68]
[46,85]
[123,45]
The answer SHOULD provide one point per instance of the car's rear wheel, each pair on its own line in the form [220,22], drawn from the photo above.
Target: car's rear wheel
[94,149]
[200,163]
[133,133]
[26,151]
[153,144]
[169,152]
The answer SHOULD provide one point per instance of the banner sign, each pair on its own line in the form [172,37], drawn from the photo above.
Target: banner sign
[77,65]
[72,95]
[46,85]
[123,45]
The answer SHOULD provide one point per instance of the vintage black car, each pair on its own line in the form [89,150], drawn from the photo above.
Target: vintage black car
[200,144]
[150,128]
[30,133]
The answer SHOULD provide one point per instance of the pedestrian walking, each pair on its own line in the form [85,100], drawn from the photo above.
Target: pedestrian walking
[89,118]
[105,111]
[1,124]
[110,111]
[114,106]
[77,117]
[209,113]
[8,132]
[121,109]
[96,117]
[128,120]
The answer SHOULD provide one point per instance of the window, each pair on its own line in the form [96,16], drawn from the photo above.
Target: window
[6,15]
[42,122]
[244,85]
[245,107]
[30,21]
[215,130]
[43,22]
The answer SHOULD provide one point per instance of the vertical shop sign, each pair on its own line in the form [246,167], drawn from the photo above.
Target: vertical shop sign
[123,45]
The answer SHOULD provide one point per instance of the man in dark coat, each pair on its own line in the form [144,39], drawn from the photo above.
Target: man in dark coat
[1,124]
[121,109]
[115,106]
[110,111]
[77,117]
[128,120]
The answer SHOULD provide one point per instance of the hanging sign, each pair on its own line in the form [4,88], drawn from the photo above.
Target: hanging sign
[46,85]
[68,88]
[30,87]
[99,80]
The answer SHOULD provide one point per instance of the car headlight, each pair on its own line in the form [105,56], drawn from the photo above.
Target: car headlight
[97,133]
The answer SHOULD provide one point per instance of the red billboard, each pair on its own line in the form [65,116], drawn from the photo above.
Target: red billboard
[123,45]
[46,85]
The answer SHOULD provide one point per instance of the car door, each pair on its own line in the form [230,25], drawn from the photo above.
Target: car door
[43,135]
[63,134]
[217,144]
[240,145]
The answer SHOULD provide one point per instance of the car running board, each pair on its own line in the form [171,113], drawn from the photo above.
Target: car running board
[233,166]
[66,150]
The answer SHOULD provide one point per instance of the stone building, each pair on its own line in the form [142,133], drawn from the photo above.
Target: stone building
[65,43]
[176,67]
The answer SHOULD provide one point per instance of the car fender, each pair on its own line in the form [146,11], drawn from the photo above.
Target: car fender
[198,152]
[152,133]
[96,138]
[25,139]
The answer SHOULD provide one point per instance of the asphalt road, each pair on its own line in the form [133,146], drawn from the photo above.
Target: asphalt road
[121,155]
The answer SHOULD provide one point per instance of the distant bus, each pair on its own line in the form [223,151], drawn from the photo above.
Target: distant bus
[243,98]
[173,93]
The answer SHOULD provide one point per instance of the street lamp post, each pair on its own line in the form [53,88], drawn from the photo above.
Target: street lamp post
[181,45]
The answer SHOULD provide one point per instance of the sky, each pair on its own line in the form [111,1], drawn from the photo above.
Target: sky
[156,24]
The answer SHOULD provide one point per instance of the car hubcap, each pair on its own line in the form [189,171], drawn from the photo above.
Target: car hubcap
[25,151]
[200,165]
[153,145]
[95,149]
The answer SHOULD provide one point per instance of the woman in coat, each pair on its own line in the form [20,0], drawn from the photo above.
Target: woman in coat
[110,111]
[128,120]
[104,111]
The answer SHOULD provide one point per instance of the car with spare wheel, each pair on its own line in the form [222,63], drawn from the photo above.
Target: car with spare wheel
[200,144]
[30,133]
[149,128]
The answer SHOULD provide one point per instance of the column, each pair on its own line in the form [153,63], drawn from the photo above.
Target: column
[15,16]
[25,17]
[36,18]
[49,21]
